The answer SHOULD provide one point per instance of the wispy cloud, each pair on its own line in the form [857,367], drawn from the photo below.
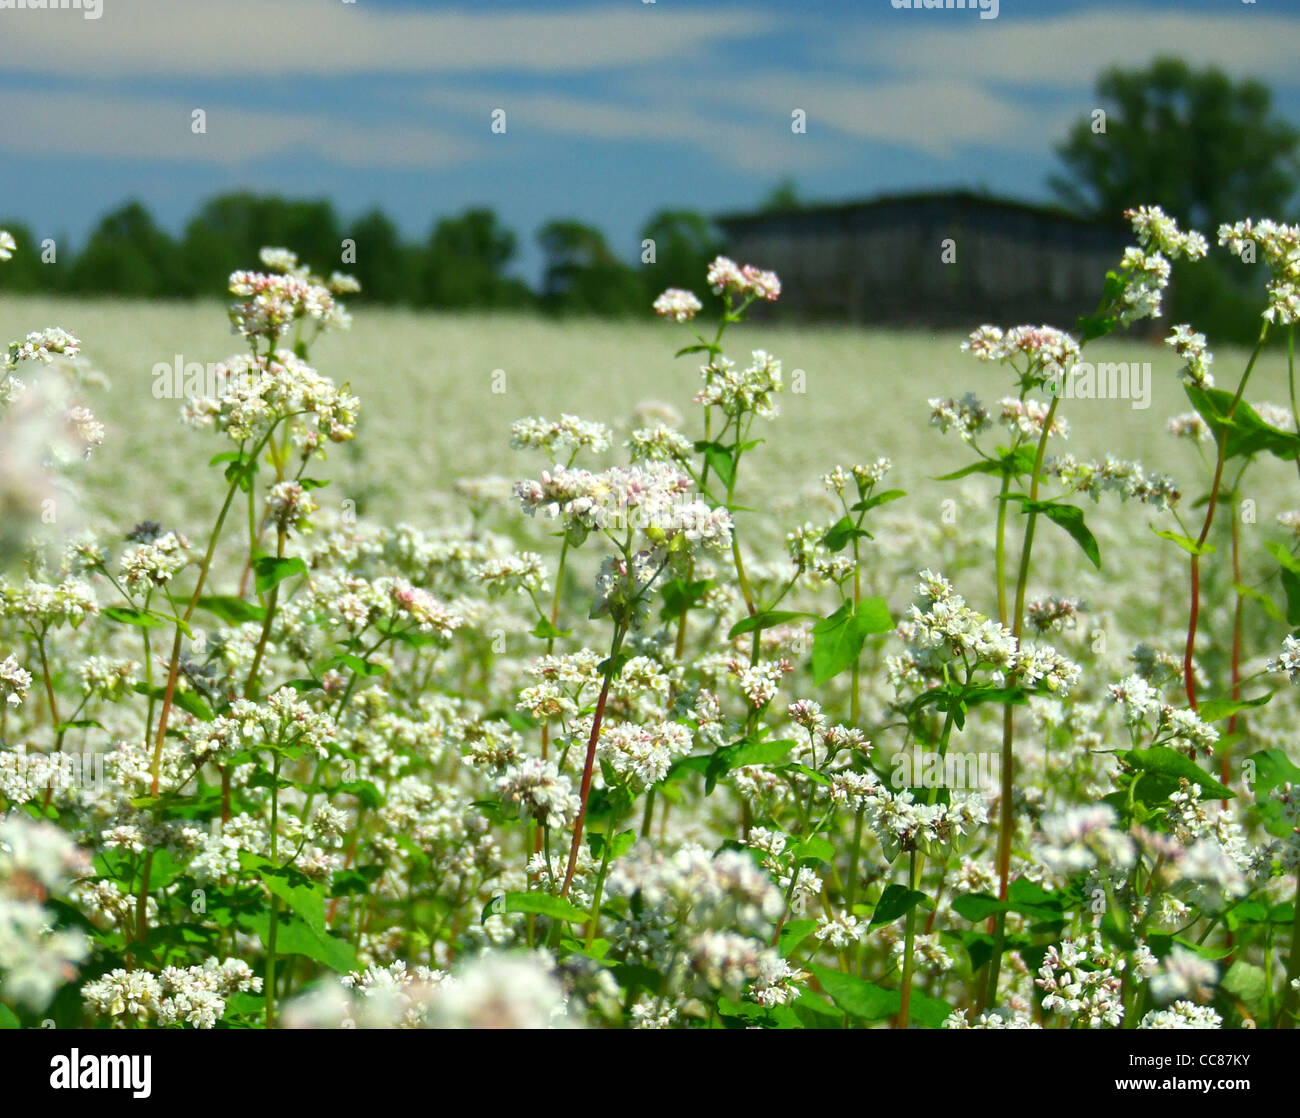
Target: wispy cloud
[1070,50]
[160,129]
[287,38]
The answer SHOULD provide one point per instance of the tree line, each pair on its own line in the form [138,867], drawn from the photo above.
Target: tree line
[465,262]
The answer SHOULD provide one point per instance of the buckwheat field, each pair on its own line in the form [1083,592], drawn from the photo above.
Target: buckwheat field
[461,671]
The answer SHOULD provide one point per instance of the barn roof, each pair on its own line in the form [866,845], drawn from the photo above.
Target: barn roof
[967,200]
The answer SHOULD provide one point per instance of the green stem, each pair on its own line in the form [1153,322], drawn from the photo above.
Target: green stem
[909,951]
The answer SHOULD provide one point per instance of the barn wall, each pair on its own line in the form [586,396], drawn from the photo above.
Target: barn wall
[882,262]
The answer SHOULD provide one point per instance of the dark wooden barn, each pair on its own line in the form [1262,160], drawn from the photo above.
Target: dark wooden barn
[884,260]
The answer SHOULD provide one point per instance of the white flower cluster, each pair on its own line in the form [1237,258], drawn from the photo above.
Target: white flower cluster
[1182,1015]
[726,276]
[1288,660]
[154,563]
[1281,245]
[1182,729]
[1197,358]
[540,791]
[1028,417]
[1082,980]
[272,302]
[944,625]
[69,602]
[653,495]
[740,391]
[282,721]
[1083,838]
[288,503]
[254,394]
[679,305]
[1145,266]
[994,1019]
[1114,475]
[968,416]
[659,443]
[640,755]
[1042,347]
[194,996]
[568,434]
[15,682]
[44,346]
[429,614]
[37,860]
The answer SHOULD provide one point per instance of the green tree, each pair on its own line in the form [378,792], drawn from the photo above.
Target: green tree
[128,254]
[229,230]
[782,198]
[384,265]
[464,263]
[685,243]
[582,275]
[26,273]
[1206,148]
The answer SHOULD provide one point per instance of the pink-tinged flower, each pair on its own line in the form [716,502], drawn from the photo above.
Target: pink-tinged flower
[677,304]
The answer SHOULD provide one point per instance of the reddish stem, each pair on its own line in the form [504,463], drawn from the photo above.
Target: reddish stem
[585,789]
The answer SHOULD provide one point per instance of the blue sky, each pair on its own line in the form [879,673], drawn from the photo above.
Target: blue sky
[614,108]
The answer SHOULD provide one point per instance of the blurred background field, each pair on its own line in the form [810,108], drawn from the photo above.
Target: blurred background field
[430,415]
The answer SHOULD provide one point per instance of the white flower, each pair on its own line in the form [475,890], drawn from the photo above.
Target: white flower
[677,304]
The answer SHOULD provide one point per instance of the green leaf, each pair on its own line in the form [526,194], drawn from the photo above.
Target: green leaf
[1067,517]
[742,753]
[1019,463]
[272,570]
[793,934]
[814,847]
[1243,433]
[232,610]
[623,842]
[842,533]
[1188,544]
[142,619]
[869,1002]
[1216,710]
[1247,984]
[355,664]
[877,499]
[1160,760]
[1265,602]
[765,620]
[8,1019]
[367,793]
[694,349]
[295,936]
[1023,896]
[188,701]
[856,997]
[544,630]
[838,639]
[680,596]
[897,901]
[78,724]
[719,459]
[1095,326]
[542,904]
[303,896]
[1273,767]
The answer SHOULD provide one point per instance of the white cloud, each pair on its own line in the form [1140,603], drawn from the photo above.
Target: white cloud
[1071,50]
[233,38]
[159,129]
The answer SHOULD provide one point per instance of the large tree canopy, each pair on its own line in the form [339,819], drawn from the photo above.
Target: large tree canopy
[1205,147]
